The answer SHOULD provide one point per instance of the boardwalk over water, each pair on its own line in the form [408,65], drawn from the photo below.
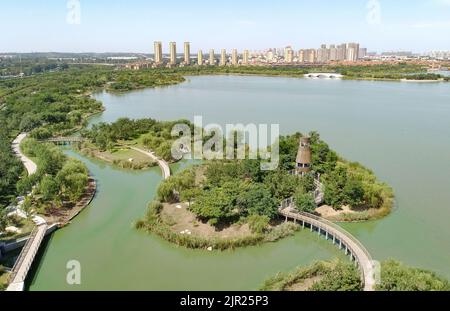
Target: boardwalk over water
[28,253]
[339,236]
[23,263]
[65,140]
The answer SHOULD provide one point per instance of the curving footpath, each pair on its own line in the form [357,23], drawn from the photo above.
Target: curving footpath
[29,165]
[162,164]
[340,237]
[29,251]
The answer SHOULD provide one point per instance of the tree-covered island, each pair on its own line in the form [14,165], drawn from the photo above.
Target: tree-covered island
[222,204]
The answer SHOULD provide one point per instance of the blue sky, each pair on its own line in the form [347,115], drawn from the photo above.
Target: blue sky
[133,25]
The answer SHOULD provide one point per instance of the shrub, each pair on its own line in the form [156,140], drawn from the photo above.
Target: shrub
[304,202]
[330,276]
[258,223]
[397,277]
[281,231]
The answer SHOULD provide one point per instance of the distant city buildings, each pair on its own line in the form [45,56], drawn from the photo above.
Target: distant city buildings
[439,55]
[334,53]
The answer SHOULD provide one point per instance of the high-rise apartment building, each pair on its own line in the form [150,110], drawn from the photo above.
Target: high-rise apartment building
[342,52]
[158,58]
[333,53]
[200,57]
[310,56]
[270,55]
[187,53]
[173,52]
[301,56]
[234,57]
[223,57]
[323,54]
[212,60]
[286,53]
[362,53]
[352,52]
[290,56]
[246,57]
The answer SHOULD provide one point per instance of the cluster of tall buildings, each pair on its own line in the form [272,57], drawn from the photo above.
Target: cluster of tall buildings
[440,55]
[343,52]
[187,59]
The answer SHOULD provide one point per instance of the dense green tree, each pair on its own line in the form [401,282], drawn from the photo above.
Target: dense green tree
[27,207]
[304,202]
[72,179]
[306,182]
[354,192]
[3,220]
[218,204]
[25,184]
[256,199]
[334,187]
[48,187]
[343,277]
[324,160]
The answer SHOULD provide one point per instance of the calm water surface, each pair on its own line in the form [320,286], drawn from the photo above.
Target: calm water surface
[400,130]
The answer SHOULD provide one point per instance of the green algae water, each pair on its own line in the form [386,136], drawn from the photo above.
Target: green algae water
[400,130]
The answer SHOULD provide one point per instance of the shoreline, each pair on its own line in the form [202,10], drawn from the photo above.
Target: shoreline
[68,214]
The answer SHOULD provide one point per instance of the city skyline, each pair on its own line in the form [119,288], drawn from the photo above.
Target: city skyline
[102,26]
[350,52]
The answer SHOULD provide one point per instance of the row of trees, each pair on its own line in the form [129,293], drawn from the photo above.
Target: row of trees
[59,179]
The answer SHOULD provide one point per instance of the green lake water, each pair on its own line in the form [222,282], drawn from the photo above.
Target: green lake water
[400,130]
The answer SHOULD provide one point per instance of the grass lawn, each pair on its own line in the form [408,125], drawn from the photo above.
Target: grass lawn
[121,156]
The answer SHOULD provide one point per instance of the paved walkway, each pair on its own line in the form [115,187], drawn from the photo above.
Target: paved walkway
[162,164]
[26,257]
[29,165]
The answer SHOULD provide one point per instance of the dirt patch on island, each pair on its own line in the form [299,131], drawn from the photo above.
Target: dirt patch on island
[183,221]
[348,214]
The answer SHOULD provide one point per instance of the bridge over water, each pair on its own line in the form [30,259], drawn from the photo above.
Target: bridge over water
[24,261]
[340,237]
[322,75]
[65,140]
